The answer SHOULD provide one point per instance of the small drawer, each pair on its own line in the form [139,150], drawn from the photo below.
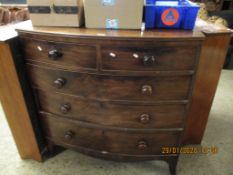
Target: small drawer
[164,57]
[110,87]
[66,55]
[69,133]
[110,114]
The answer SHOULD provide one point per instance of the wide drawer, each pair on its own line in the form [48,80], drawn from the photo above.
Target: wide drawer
[70,133]
[167,56]
[111,87]
[68,55]
[110,114]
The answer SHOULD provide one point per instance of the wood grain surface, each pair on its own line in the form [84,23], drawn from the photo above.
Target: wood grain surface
[112,114]
[14,106]
[72,133]
[212,57]
[210,66]
[72,55]
[111,87]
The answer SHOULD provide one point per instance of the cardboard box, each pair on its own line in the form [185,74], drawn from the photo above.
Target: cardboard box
[113,14]
[67,13]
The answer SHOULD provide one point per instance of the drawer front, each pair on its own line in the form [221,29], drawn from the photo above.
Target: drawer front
[66,55]
[111,87]
[69,133]
[109,114]
[158,58]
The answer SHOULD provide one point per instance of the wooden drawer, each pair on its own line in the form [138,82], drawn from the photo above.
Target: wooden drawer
[110,114]
[110,87]
[70,133]
[67,55]
[161,57]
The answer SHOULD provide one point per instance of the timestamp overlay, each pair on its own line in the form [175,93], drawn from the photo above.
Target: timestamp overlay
[190,150]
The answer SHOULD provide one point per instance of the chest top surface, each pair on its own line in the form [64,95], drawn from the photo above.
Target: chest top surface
[202,28]
[26,27]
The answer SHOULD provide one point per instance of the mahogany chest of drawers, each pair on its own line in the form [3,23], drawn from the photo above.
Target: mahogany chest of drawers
[115,97]
[119,95]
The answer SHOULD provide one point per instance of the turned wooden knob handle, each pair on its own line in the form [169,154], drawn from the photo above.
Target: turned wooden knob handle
[147,90]
[145,118]
[69,135]
[148,60]
[142,145]
[59,83]
[55,54]
[65,108]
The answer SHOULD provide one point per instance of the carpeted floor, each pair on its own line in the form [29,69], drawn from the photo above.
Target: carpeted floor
[218,134]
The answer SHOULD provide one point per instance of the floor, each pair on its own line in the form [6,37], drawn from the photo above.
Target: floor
[218,134]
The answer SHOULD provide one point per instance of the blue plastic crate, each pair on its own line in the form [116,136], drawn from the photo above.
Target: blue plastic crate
[170,14]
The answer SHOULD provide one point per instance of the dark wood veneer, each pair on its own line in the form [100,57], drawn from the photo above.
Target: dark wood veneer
[161,56]
[108,87]
[124,42]
[71,133]
[70,55]
[110,114]
[120,99]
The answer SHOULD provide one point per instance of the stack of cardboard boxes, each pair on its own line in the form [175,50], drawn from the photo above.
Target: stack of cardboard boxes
[112,14]
[56,12]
